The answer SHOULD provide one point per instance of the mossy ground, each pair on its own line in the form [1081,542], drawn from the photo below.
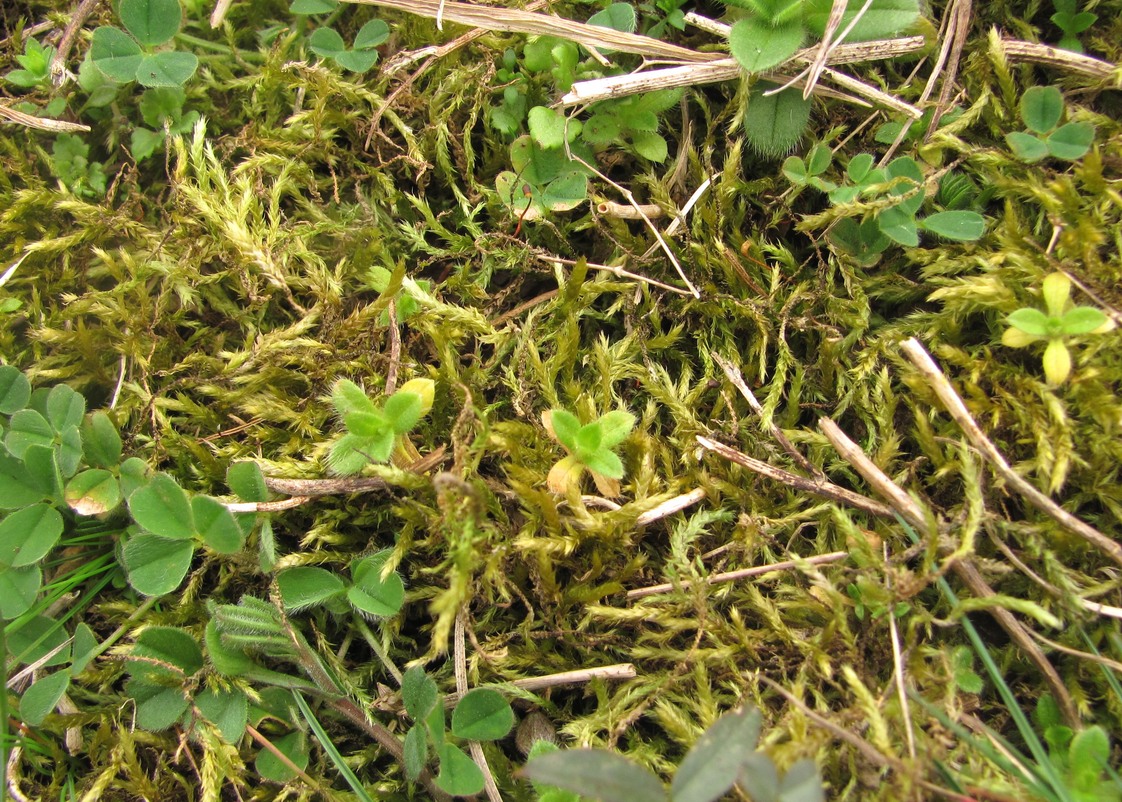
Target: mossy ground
[216,295]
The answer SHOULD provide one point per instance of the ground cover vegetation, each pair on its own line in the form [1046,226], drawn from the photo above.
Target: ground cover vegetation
[600,400]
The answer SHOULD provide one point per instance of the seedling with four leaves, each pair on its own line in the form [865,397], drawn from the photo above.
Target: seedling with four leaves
[372,431]
[591,446]
[1061,320]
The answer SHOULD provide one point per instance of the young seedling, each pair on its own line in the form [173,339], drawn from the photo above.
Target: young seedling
[327,43]
[1061,321]
[1041,110]
[372,432]
[590,447]
[36,64]
[132,56]
[1072,22]
[482,714]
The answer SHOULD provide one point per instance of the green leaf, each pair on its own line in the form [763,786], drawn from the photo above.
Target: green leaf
[294,747]
[162,507]
[101,444]
[403,410]
[596,774]
[884,19]
[366,424]
[307,586]
[1026,147]
[28,534]
[41,466]
[170,646]
[247,481]
[961,226]
[162,104]
[615,426]
[710,768]
[69,451]
[166,68]
[134,475]
[18,589]
[416,751]
[458,773]
[1088,757]
[1071,141]
[795,170]
[306,7]
[602,128]
[1081,320]
[28,428]
[482,715]
[157,707]
[356,60]
[143,143]
[906,177]
[419,693]
[565,427]
[93,492]
[371,35]
[15,390]
[83,648]
[370,593]
[617,16]
[1057,362]
[1031,321]
[152,22]
[1041,108]
[227,660]
[605,463]
[65,407]
[226,710]
[773,124]
[757,46]
[899,225]
[650,145]
[40,699]
[759,778]
[17,488]
[156,565]
[216,525]
[326,42]
[802,783]
[348,397]
[115,53]
[35,639]
[547,127]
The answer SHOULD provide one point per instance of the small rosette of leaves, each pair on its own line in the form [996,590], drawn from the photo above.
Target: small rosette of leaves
[1061,320]
[482,714]
[1041,109]
[372,431]
[130,55]
[590,446]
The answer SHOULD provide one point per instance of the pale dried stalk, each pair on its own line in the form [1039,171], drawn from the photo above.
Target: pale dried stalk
[625,211]
[957,409]
[743,573]
[671,506]
[913,513]
[494,18]
[1017,50]
[818,487]
[459,652]
[726,69]
[578,677]
[8,114]
[898,667]
[614,270]
[680,217]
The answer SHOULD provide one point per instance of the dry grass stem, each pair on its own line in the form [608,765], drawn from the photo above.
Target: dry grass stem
[818,487]
[8,114]
[671,506]
[743,573]
[495,18]
[1017,50]
[625,211]
[957,409]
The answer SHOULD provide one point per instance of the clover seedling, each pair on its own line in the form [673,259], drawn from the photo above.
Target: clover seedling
[482,714]
[132,56]
[162,109]
[1061,320]
[70,164]
[590,447]
[806,173]
[327,43]
[371,591]
[1041,110]
[372,432]
[1069,19]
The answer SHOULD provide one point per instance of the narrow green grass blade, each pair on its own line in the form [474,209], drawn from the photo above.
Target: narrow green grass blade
[329,747]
